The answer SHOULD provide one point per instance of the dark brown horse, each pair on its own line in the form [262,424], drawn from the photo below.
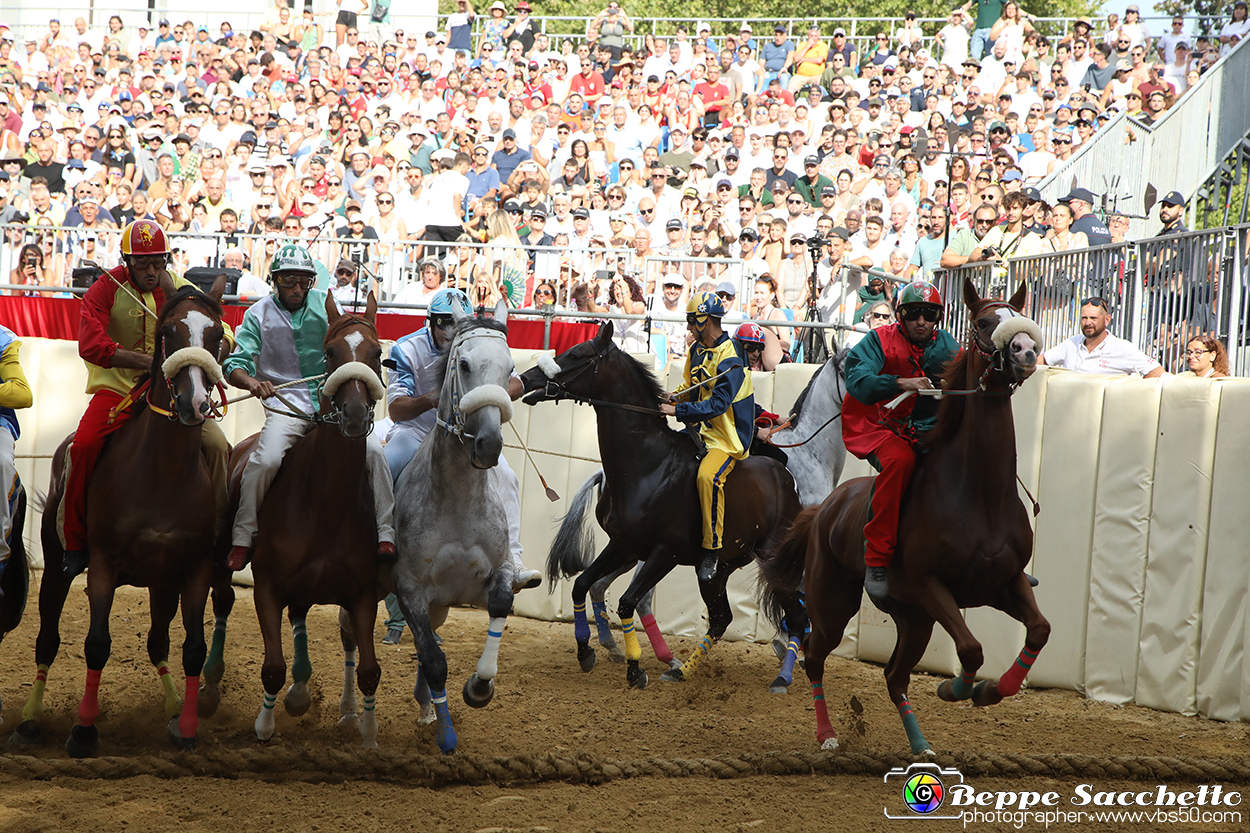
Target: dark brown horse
[152,521]
[15,580]
[964,536]
[317,540]
[649,505]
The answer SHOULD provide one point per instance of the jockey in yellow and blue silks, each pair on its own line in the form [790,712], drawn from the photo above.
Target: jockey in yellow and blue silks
[722,409]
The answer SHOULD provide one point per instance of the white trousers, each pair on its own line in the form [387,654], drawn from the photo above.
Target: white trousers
[8,480]
[278,435]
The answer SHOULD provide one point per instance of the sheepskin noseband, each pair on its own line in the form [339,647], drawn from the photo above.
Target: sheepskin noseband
[1009,329]
[355,370]
[197,356]
[484,395]
[547,365]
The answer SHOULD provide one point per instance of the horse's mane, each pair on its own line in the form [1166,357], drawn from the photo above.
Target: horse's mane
[796,410]
[651,385]
[478,322]
[187,292]
[951,408]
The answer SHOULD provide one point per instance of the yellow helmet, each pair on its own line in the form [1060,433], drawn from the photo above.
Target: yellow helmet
[705,304]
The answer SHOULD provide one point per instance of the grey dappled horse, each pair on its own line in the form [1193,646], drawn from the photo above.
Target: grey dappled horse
[449,516]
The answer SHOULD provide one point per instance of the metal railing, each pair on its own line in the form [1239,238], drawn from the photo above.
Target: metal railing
[1161,292]
[1177,153]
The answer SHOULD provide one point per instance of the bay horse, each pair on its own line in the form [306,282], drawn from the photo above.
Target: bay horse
[317,536]
[15,580]
[449,512]
[964,536]
[152,521]
[815,460]
[649,505]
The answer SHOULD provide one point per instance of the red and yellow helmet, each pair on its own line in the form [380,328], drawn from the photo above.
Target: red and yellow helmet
[144,237]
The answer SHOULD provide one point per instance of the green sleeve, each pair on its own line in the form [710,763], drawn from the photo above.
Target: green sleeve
[864,379]
[247,344]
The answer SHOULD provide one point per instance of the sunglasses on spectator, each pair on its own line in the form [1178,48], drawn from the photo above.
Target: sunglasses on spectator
[647,211]
[546,292]
[1095,301]
[927,313]
[983,221]
[1063,141]
[880,316]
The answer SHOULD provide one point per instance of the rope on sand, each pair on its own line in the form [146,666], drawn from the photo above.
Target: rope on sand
[321,764]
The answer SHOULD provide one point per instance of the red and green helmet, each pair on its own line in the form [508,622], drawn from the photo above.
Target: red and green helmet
[919,292]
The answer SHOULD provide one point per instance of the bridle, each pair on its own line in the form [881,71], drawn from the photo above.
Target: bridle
[554,391]
[456,424]
[996,357]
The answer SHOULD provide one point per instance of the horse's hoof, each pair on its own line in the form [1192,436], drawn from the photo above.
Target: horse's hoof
[371,744]
[635,676]
[674,675]
[209,699]
[925,754]
[615,654]
[348,721]
[779,686]
[298,699]
[585,656]
[985,693]
[427,716]
[779,648]
[213,671]
[478,692]
[186,744]
[946,691]
[830,744]
[27,733]
[84,742]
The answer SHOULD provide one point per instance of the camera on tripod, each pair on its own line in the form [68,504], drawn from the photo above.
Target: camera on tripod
[816,242]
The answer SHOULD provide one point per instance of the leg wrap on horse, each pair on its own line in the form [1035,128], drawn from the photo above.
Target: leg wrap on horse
[34,705]
[172,706]
[895,459]
[912,727]
[301,666]
[633,651]
[700,651]
[488,664]
[602,624]
[787,665]
[1010,682]
[89,708]
[188,723]
[824,729]
[714,469]
[962,685]
[581,627]
[93,430]
[658,645]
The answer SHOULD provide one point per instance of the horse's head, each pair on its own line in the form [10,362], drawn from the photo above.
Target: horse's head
[474,402]
[189,338]
[571,375]
[1008,342]
[354,364]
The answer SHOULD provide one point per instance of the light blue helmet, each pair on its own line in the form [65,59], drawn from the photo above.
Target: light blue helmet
[445,299]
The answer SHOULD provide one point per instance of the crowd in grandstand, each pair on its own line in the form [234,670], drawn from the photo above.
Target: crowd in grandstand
[917,149]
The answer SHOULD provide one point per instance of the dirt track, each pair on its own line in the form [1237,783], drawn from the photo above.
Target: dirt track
[544,704]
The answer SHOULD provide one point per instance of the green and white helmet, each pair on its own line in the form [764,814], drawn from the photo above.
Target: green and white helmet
[293,258]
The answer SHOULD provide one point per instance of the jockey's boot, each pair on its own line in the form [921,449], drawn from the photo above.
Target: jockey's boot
[386,553]
[526,580]
[877,584]
[74,562]
[707,567]
[238,557]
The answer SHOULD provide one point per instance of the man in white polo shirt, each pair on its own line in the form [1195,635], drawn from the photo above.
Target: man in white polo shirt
[1096,350]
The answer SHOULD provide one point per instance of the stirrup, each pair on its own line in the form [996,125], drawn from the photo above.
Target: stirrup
[74,562]
[877,585]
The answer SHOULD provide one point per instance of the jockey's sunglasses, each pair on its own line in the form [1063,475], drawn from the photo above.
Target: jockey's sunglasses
[753,348]
[931,314]
[291,281]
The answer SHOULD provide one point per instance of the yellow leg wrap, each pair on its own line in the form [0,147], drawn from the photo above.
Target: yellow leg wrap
[172,706]
[700,651]
[34,706]
[633,651]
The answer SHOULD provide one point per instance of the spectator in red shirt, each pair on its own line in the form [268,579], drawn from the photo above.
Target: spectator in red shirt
[588,83]
[713,95]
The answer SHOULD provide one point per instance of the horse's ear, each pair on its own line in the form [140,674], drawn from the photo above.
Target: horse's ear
[332,309]
[218,289]
[1017,297]
[457,314]
[971,298]
[371,308]
[501,312]
[605,335]
[166,284]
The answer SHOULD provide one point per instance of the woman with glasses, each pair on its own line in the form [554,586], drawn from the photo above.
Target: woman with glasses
[544,298]
[391,232]
[1206,358]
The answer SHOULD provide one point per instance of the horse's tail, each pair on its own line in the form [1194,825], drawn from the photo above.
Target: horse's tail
[781,571]
[574,546]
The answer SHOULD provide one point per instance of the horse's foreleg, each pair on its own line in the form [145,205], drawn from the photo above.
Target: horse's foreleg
[479,690]
[1021,605]
[795,626]
[914,630]
[662,652]
[655,568]
[298,698]
[364,615]
[215,665]
[598,592]
[719,615]
[273,670]
[84,738]
[164,606]
[348,707]
[433,660]
[603,567]
[833,598]
[941,605]
[194,650]
[53,589]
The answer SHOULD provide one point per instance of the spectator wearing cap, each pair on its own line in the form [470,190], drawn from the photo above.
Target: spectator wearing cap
[676,160]
[483,179]
[1172,214]
[776,57]
[1084,220]
[522,27]
[813,183]
[508,155]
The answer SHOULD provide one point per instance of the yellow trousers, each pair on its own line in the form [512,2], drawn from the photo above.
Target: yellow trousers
[714,469]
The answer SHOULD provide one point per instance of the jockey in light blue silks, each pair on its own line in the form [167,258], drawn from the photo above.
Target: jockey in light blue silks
[412,402]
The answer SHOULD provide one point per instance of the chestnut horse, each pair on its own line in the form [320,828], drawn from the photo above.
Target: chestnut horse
[964,536]
[152,521]
[318,537]
[649,505]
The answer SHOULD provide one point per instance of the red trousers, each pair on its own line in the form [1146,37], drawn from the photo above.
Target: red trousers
[895,460]
[93,429]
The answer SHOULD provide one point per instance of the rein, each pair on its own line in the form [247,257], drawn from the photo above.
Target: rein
[837,365]
[557,391]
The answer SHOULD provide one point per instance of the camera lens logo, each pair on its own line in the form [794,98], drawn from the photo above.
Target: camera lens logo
[923,793]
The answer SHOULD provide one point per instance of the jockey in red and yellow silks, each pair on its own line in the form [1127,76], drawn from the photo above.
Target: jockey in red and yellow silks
[116,339]
[887,362]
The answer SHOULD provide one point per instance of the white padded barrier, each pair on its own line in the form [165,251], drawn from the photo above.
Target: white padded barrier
[1172,608]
